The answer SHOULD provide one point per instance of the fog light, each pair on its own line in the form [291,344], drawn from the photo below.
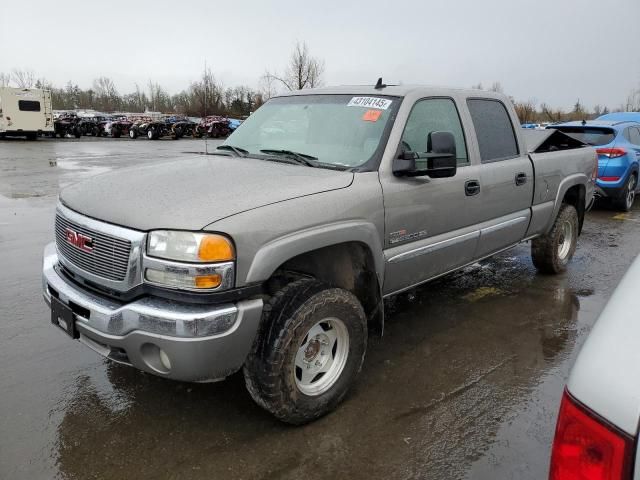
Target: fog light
[164,359]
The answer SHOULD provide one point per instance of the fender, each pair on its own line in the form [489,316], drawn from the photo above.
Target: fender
[565,185]
[275,253]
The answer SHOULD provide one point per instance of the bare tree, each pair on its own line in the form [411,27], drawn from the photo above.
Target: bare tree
[550,114]
[104,87]
[526,111]
[496,87]
[105,93]
[633,101]
[303,71]
[23,78]
[267,86]
[477,86]
[5,79]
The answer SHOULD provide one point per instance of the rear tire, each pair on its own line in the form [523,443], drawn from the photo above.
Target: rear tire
[552,252]
[628,196]
[310,347]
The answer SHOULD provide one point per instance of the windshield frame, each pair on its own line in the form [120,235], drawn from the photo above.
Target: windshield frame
[373,163]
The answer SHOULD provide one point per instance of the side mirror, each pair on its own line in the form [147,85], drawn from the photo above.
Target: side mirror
[441,151]
[440,158]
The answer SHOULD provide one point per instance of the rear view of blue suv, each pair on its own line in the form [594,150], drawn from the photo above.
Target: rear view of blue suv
[618,147]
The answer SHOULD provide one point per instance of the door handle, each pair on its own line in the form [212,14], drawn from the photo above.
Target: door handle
[471,187]
[521,178]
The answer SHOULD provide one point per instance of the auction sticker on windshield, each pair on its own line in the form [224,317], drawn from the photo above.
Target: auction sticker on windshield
[370,102]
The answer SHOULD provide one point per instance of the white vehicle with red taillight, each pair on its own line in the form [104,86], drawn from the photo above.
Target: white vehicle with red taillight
[25,112]
[597,431]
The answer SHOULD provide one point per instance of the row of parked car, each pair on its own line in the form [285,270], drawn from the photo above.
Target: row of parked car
[70,124]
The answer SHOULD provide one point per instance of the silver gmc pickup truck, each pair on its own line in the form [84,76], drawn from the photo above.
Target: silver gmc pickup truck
[275,254]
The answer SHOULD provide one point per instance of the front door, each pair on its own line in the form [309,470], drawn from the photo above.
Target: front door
[429,222]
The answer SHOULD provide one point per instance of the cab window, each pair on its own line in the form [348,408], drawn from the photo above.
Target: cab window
[434,115]
[494,130]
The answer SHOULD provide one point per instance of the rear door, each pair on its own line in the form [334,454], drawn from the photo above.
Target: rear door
[506,177]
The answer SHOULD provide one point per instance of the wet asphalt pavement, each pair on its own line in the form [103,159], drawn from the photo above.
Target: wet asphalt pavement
[464,384]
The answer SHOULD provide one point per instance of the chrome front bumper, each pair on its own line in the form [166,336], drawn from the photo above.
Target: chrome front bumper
[198,342]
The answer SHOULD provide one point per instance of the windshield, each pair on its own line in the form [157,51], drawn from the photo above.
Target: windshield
[340,130]
[594,136]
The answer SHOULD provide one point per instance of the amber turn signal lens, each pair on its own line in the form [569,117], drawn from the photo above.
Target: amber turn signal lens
[215,248]
[207,281]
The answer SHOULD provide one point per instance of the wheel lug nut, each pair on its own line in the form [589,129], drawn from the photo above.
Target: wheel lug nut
[318,363]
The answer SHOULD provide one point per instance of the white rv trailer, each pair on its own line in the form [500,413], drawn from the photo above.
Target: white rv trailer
[25,112]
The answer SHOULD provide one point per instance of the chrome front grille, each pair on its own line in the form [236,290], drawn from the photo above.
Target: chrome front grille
[109,257]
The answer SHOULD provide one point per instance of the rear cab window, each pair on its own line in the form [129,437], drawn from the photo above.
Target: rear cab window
[495,133]
[594,136]
[28,105]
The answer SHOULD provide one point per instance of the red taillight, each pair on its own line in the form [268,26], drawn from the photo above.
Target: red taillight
[586,448]
[612,152]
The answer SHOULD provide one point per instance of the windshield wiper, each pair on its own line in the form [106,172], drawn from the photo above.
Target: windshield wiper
[301,158]
[240,152]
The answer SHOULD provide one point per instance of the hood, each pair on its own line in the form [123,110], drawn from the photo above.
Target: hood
[193,192]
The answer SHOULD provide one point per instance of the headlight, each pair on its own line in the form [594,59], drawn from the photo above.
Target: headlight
[189,260]
[190,246]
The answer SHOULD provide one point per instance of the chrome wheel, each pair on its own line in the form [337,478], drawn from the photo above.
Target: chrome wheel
[631,192]
[321,356]
[565,240]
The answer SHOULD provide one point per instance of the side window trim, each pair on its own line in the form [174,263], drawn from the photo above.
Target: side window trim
[462,129]
[513,131]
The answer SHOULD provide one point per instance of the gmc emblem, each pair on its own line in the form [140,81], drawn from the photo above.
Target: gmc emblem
[78,240]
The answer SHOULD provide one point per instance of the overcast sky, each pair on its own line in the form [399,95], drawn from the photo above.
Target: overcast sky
[554,51]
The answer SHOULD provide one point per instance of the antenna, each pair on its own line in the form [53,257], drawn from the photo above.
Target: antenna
[206,134]
[379,84]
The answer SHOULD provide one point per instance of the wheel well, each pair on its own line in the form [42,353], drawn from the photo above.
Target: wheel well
[348,265]
[576,196]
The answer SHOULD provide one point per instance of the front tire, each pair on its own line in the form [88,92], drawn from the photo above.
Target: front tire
[552,252]
[310,348]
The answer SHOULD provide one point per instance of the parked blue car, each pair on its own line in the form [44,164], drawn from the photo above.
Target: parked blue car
[618,147]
